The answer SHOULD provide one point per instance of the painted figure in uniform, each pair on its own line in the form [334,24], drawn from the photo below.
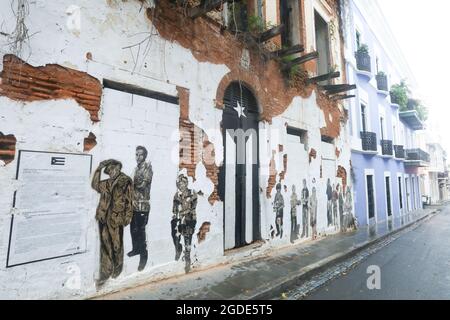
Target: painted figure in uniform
[341,209]
[350,222]
[313,212]
[114,212]
[278,206]
[335,205]
[305,208]
[329,203]
[142,180]
[294,226]
[184,219]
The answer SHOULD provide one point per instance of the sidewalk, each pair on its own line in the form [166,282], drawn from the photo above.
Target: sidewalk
[265,276]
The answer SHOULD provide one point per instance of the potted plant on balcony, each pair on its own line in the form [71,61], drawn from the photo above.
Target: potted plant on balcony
[382,81]
[416,104]
[399,94]
[363,58]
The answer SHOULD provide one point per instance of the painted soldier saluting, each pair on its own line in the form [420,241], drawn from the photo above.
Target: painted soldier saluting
[142,180]
[184,219]
[114,212]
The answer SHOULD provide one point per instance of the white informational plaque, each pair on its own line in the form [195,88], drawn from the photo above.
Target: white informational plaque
[50,206]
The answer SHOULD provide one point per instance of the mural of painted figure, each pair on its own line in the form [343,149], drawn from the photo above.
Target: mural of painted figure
[142,180]
[341,209]
[335,199]
[305,209]
[278,206]
[294,226]
[329,203]
[184,219]
[114,212]
[313,212]
[350,220]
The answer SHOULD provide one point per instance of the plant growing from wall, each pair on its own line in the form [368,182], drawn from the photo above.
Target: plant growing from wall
[295,69]
[399,94]
[256,24]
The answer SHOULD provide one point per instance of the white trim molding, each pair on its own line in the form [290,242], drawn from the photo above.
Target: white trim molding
[371,172]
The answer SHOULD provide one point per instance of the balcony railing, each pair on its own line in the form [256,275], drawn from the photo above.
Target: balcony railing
[382,83]
[363,61]
[417,155]
[399,152]
[443,175]
[369,141]
[386,147]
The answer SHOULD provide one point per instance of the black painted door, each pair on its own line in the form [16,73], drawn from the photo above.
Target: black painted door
[241,158]
[388,196]
[371,198]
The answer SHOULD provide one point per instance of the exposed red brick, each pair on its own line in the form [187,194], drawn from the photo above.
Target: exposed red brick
[183,96]
[21,81]
[195,147]
[90,142]
[272,176]
[312,155]
[283,173]
[204,229]
[333,125]
[337,152]
[208,42]
[7,147]
[342,173]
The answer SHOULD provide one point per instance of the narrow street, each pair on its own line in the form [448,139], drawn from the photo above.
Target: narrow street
[413,266]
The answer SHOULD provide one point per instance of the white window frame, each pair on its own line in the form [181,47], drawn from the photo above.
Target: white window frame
[371,172]
[387,174]
[408,204]
[324,13]
[402,179]
[363,101]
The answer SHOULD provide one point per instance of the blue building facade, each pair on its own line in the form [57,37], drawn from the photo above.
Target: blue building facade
[386,155]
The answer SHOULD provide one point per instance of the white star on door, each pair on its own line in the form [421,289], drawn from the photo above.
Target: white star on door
[240,110]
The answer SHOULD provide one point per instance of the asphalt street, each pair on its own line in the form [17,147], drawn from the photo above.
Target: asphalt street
[414,266]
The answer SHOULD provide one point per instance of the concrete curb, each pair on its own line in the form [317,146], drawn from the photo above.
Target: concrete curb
[276,287]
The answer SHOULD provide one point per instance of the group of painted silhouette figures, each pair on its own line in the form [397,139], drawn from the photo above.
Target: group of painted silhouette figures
[126,201]
[339,211]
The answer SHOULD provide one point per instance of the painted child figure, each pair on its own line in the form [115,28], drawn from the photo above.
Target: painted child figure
[335,199]
[305,208]
[313,212]
[350,221]
[294,226]
[278,206]
[341,209]
[184,219]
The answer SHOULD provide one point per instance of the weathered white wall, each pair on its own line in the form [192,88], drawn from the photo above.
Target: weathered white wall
[125,122]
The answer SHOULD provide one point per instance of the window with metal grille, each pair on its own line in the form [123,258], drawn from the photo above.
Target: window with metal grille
[237,92]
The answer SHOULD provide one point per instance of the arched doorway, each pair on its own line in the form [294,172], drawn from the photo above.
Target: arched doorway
[241,163]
